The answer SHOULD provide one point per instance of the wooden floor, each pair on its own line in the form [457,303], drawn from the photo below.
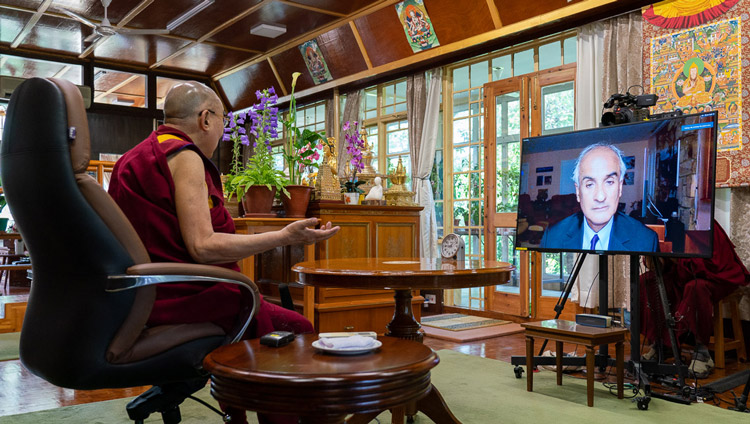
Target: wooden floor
[20,391]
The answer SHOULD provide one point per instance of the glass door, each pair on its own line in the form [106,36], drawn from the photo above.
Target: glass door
[506,110]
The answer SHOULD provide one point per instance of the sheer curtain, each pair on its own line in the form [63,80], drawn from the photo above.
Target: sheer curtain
[609,61]
[351,113]
[423,112]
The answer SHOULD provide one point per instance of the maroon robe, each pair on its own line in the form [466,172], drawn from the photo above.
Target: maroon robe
[142,186]
[692,286]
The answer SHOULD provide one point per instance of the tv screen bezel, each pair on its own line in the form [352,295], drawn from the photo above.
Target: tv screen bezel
[712,184]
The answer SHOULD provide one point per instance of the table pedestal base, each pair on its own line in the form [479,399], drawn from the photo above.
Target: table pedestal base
[403,325]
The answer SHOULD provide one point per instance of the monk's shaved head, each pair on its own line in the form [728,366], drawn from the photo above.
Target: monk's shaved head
[187,99]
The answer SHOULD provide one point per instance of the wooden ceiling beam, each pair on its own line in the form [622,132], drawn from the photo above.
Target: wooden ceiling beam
[305,37]
[209,34]
[278,77]
[133,13]
[361,45]
[495,14]
[31,23]
[312,8]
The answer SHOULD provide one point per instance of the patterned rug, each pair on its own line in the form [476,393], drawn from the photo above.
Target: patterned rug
[460,322]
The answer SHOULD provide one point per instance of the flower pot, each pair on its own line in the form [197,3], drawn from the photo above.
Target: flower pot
[351,198]
[258,201]
[233,206]
[295,205]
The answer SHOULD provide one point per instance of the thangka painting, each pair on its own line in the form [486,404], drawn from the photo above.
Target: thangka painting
[686,13]
[316,63]
[699,70]
[417,25]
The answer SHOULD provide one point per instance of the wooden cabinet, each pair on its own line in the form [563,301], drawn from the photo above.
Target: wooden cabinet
[366,231]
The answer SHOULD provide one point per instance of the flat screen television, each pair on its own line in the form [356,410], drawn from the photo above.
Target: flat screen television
[642,188]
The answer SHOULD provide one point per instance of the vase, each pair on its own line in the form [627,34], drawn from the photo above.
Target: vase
[295,205]
[351,198]
[258,201]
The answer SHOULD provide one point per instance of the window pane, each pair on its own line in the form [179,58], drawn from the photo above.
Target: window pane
[461,188]
[479,73]
[523,62]
[461,159]
[119,88]
[162,87]
[21,67]
[506,252]
[461,78]
[436,178]
[570,50]
[461,104]
[549,55]
[501,68]
[508,175]
[460,213]
[558,107]
[461,131]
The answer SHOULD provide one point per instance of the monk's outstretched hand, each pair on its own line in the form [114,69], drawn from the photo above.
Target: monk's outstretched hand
[304,231]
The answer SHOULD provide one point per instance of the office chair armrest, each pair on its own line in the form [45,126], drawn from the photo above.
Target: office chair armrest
[142,275]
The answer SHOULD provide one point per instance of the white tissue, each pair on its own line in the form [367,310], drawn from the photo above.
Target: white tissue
[347,342]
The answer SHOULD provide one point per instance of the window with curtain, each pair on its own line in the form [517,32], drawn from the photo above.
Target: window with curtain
[119,88]
[384,109]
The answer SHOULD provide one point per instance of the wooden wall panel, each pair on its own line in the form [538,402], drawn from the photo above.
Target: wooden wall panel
[235,86]
[337,6]
[353,240]
[290,61]
[454,21]
[342,52]
[387,233]
[211,17]
[298,21]
[115,133]
[383,36]
[207,59]
[142,50]
[515,11]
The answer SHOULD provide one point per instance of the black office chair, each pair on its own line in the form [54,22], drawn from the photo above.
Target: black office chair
[93,286]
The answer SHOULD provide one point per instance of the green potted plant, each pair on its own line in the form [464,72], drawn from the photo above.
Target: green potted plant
[301,153]
[257,182]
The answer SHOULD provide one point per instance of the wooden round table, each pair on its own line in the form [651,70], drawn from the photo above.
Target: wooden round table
[319,387]
[404,275]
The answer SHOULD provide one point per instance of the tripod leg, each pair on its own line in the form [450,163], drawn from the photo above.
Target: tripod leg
[566,291]
[670,321]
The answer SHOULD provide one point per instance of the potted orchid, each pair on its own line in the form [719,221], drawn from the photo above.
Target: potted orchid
[301,152]
[257,182]
[355,144]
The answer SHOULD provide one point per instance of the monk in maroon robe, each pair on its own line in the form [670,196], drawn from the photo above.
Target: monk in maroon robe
[692,286]
[172,194]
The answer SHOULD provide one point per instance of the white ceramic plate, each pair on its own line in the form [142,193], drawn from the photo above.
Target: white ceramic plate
[347,351]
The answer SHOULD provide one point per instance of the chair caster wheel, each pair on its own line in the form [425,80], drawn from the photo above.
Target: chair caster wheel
[518,370]
[687,392]
[410,418]
[642,403]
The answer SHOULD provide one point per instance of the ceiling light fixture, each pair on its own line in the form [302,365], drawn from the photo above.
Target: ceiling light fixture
[174,23]
[268,30]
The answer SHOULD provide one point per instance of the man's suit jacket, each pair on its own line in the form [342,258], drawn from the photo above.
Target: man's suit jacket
[628,234]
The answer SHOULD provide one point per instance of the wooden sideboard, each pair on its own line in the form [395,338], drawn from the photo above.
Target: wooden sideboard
[366,231]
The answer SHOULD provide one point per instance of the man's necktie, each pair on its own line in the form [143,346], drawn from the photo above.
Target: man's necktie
[593,241]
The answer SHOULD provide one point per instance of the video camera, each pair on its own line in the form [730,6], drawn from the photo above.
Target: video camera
[627,108]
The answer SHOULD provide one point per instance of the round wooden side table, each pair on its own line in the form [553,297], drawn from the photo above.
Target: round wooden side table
[319,387]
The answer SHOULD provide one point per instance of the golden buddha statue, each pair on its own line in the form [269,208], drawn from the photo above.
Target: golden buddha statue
[327,187]
[397,195]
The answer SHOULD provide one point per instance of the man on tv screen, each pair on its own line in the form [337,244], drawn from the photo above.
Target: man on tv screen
[598,177]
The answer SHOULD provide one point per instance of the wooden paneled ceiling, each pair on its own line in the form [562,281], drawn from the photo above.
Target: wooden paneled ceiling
[361,40]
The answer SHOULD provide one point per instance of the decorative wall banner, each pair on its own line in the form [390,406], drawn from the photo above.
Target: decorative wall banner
[686,13]
[315,62]
[732,165]
[698,70]
[417,25]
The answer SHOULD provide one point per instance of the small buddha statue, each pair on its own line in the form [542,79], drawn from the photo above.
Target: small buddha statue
[376,192]
[367,155]
[398,177]
[329,156]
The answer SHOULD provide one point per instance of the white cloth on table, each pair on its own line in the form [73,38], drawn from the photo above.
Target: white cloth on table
[350,342]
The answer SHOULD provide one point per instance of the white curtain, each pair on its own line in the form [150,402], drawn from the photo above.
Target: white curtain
[609,61]
[589,77]
[423,167]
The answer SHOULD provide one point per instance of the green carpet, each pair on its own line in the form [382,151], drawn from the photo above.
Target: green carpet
[9,346]
[479,391]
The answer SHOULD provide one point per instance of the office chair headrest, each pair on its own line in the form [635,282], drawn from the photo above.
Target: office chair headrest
[78,126]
